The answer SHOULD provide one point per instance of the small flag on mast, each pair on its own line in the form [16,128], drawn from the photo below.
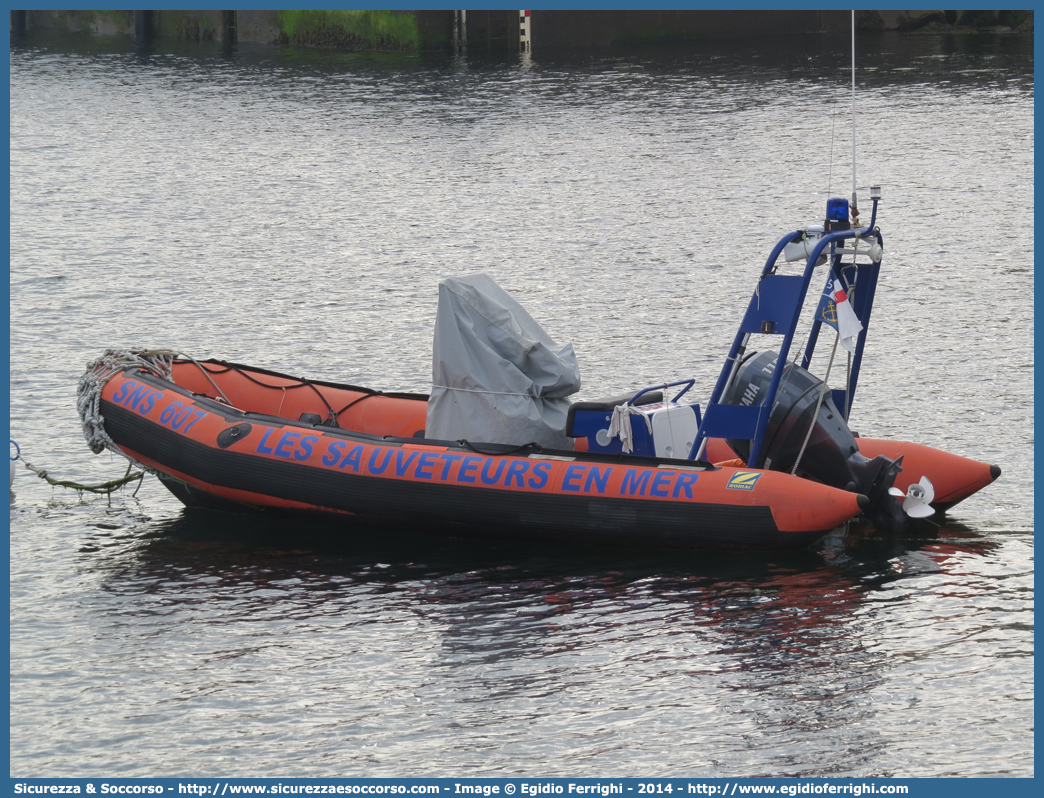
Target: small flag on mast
[836,310]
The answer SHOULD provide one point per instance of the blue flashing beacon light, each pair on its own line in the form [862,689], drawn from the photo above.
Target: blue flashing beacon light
[837,214]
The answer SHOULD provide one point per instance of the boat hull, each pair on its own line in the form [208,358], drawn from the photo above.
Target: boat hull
[953,477]
[213,454]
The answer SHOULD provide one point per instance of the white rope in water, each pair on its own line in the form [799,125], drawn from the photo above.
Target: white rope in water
[99,372]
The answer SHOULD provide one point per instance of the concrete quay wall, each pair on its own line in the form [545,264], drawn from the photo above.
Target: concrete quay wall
[499,30]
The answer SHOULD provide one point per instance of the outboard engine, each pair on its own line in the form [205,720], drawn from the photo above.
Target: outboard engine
[831,455]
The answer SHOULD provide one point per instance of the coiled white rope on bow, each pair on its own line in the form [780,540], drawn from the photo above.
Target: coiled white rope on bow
[99,372]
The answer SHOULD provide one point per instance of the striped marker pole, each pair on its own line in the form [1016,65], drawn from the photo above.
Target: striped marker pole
[524,32]
[460,30]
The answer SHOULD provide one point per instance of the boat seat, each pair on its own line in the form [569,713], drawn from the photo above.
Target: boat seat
[606,406]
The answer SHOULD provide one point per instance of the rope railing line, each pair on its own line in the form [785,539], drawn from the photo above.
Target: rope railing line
[301,383]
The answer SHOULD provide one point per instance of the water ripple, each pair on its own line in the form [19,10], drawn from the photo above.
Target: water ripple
[297,209]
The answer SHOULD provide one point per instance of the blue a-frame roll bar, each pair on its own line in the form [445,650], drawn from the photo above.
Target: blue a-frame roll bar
[776,308]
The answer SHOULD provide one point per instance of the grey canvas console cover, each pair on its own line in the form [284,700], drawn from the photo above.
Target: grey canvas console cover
[496,375]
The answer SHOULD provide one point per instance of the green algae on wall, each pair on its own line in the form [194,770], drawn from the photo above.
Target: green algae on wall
[351,30]
[114,21]
[103,22]
[188,25]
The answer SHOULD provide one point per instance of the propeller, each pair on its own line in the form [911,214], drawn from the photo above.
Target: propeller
[918,501]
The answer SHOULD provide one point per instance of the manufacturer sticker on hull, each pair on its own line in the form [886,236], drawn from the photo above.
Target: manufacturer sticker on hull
[744,480]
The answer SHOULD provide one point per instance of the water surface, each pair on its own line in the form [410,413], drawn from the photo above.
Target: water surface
[296,209]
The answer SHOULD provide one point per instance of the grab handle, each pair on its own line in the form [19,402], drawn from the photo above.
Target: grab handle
[687,383]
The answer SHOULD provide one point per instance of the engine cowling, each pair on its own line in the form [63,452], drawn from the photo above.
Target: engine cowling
[832,455]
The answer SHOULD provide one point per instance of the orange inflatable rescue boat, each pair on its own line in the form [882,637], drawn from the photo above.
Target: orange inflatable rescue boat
[496,450]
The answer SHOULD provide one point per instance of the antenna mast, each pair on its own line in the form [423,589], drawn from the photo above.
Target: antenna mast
[855,212]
